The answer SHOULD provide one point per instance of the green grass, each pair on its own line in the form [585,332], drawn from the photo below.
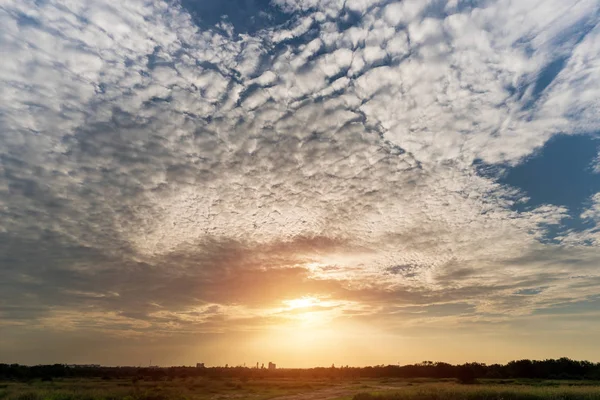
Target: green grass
[520,390]
[176,389]
[265,389]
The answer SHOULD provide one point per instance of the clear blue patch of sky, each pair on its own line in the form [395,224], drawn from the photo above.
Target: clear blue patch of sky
[561,173]
[246,16]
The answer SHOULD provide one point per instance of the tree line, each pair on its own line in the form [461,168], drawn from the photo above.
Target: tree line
[562,368]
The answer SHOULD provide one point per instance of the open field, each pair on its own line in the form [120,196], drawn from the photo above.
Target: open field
[490,390]
[297,389]
[175,389]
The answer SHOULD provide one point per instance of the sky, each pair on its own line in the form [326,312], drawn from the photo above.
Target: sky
[305,182]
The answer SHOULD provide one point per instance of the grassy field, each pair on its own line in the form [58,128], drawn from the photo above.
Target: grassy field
[176,389]
[489,390]
[297,389]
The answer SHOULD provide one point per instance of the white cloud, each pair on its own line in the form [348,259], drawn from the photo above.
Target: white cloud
[333,63]
[593,212]
[398,45]
[403,12]
[113,154]
[301,28]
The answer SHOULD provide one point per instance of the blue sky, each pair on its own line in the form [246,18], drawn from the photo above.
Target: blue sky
[179,172]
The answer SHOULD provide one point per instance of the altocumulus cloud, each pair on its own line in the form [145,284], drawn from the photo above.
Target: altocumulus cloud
[162,175]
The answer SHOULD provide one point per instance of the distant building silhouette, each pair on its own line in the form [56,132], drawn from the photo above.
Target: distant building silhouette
[83,365]
[272,365]
[199,365]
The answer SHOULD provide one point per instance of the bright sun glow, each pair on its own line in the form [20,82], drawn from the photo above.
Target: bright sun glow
[309,311]
[302,302]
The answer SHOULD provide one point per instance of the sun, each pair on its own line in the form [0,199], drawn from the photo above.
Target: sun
[305,311]
[303,302]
